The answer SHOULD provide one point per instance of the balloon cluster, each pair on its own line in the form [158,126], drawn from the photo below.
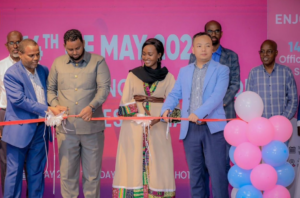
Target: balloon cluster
[258,151]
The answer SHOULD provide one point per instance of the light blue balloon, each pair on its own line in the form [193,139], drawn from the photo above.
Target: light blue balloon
[231,154]
[248,191]
[239,177]
[286,174]
[275,153]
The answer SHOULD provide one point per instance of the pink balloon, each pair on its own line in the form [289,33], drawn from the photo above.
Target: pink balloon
[263,177]
[277,192]
[235,132]
[260,131]
[247,156]
[283,128]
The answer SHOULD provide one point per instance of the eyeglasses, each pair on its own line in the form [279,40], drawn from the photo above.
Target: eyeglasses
[211,32]
[13,43]
[268,52]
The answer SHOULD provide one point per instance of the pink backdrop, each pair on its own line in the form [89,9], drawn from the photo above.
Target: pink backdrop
[116,29]
[284,28]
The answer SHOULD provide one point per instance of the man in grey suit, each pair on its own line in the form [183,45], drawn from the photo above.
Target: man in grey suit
[80,81]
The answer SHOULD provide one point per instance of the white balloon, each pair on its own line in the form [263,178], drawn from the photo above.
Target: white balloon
[234,192]
[249,105]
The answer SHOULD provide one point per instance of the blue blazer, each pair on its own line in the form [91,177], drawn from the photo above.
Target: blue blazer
[214,89]
[22,104]
[230,59]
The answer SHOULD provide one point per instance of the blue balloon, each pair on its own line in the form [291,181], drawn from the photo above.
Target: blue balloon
[275,153]
[231,153]
[286,174]
[239,177]
[248,191]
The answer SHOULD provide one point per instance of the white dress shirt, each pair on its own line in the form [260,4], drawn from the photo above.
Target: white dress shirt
[37,86]
[4,65]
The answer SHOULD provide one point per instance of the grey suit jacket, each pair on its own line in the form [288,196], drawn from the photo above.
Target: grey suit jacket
[77,85]
[230,59]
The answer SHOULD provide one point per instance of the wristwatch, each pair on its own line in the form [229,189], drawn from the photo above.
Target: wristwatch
[93,109]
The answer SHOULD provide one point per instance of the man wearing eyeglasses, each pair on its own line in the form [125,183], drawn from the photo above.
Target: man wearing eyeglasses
[12,45]
[274,83]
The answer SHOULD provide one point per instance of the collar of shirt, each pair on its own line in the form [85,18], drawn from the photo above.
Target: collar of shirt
[264,69]
[30,74]
[11,60]
[204,66]
[35,77]
[219,51]
[86,58]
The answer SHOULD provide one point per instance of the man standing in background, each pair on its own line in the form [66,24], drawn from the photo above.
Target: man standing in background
[12,45]
[274,83]
[80,81]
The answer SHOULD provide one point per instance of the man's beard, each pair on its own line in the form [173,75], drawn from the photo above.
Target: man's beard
[216,42]
[79,57]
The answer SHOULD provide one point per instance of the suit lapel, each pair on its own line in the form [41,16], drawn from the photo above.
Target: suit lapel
[27,81]
[42,76]
[210,70]
[223,58]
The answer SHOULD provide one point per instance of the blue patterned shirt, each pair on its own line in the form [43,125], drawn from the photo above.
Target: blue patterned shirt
[197,87]
[278,90]
[217,54]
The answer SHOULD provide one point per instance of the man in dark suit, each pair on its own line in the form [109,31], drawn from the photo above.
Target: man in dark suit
[25,84]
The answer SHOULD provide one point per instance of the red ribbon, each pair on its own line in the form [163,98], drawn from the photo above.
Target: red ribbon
[15,122]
